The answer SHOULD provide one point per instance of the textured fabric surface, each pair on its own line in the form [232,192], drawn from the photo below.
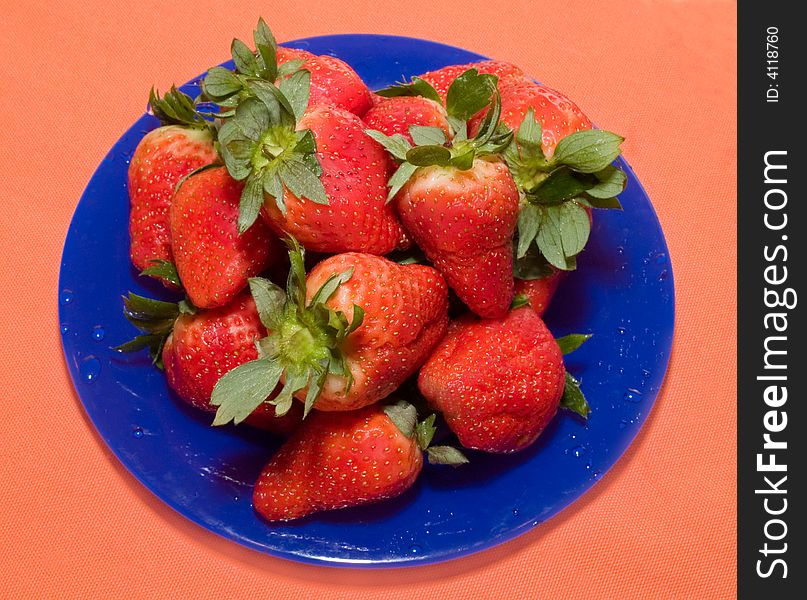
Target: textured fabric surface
[660,524]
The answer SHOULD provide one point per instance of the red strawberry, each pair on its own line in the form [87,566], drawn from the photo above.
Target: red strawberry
[344,337]
[557,115]
[197,348]
[497,382]
[405,314]
[562,168]
[441,79]
[464,220]
[459,201]
[214,262]
[163,157]
[354,171]
[311,166]
[539,292]
[336,460]
[285,55]
[333,81]
[395,115]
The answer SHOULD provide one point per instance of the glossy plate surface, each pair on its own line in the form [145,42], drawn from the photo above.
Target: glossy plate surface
[622,292]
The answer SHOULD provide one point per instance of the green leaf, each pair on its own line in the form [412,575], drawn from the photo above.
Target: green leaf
[267,61]
[306,147]
[460,129]
[314,390]
[273,186]
[562,184]
[138,343]
[533,265]
[469,93]
[251,201]
[236,150]
[329,287]
[278,108]
[490,124]
[296,379]
[424,156]
[220,83]
[269,300]
[358,319]
[519,300]
[417,87]
[186,307]
[404,416]
[289,67]
[243,58]
[163,269]
[572,342]
[252,119]
[240,391]
[604,203]
[263,35]
[140,307]
[446,455]
[573,398]
[302,182]
[397,145]
[611,182]
[425,430]
[296,89]
[296,282]
[465,160]
[588,151]
[399,179]
[529,133]
[529,222]
[427,136]
[176,108]
[563,233]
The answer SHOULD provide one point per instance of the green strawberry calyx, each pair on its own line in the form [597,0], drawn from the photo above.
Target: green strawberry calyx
[468,94]
[405,417]
[573,398]
[155,319]
[557,190]
[258,140]
[304,345]
[177,108]
[164,270]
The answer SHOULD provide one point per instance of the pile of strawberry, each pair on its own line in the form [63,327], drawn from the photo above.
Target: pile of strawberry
[426,226]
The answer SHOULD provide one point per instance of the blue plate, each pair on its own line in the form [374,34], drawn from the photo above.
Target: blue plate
[622,292]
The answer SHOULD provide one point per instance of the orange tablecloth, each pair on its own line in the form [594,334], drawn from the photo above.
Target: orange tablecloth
[660,524]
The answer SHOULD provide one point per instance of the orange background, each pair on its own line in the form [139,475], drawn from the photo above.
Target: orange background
[660,524]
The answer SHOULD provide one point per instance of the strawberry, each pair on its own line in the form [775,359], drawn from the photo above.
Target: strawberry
[558,115]
[395,115]
[165,155]
[460,203]
[441,79]
[333,81]
[539,292]
[344,337]
[337,460]
[354,177]
[214,262]
[497,382]
[310,166]
[562,168]
[197,347]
